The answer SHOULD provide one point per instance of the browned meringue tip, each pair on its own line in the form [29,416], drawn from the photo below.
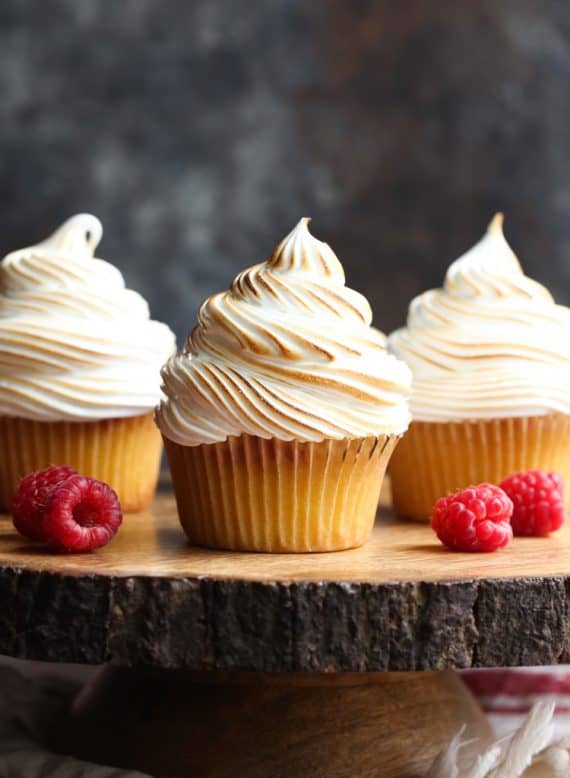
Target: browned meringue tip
[496,223]
[300,250]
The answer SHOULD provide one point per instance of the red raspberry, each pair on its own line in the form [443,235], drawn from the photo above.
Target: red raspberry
[82,514]
[29,501]
[474,519]
[538,500]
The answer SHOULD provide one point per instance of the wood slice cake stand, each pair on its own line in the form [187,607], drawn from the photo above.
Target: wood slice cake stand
[232,664]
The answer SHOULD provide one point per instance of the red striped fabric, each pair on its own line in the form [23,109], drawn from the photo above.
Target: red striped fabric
[518,682]
[507,695]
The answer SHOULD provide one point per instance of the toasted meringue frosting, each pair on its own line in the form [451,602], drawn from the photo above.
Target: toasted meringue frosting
[288,352]
[491,344]
[74,343]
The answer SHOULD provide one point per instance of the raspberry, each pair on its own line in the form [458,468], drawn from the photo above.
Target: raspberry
[29,501]
[81,514]
[474,519]
[538,500]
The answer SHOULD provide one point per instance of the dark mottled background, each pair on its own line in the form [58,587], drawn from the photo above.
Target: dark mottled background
[200,131]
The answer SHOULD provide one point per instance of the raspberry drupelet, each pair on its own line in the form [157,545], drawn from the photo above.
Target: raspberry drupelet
[538,502]
[474,519]
[68,511]
[29,502]
[81,515]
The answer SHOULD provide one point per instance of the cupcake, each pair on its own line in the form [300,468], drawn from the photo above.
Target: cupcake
[490,357]
[283,408]
[79,367]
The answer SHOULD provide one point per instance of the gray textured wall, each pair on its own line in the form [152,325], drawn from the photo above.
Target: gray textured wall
[200,131]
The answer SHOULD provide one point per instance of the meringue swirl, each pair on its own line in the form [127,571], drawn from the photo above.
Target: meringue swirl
[288,352]
[491,344]
[75,344]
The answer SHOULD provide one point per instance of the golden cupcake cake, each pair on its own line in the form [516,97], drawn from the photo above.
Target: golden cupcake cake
[490,357]
[79,367]
[283,408]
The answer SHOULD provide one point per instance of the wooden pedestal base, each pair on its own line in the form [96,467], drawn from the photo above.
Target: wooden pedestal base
[255,725]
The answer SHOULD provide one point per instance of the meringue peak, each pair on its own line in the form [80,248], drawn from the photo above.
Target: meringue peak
[496,224]
[287,352]
[301,251]
[80,234]
[75,344]
[491,343]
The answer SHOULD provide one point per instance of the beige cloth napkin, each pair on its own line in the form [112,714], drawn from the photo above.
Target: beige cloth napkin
[28,704]
[528,752]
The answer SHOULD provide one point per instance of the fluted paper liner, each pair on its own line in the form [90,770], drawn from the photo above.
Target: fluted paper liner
[125,453]
[252,494]
[435,459]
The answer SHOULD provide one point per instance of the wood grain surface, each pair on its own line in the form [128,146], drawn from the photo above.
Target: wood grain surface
[151,543]
[223,725]
[401,602]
